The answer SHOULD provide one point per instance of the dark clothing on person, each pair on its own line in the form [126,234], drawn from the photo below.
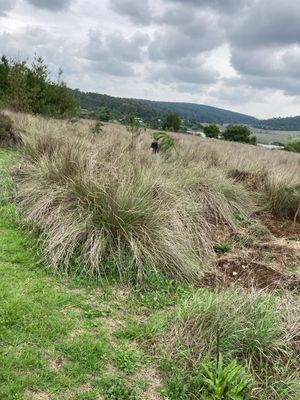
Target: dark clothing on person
[155,147]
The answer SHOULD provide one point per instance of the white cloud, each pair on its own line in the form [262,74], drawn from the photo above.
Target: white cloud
[243,55]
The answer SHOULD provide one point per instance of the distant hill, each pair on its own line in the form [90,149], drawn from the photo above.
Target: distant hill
[193,114]
[151,111]
[280,124]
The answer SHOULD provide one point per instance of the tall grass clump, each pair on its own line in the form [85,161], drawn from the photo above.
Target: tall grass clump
[235,325]
[101,209]
[281,196]
[107,204]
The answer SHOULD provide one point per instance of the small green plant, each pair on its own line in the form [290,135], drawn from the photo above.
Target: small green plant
[117,389]
[222,248]
[127,359]
[222,382]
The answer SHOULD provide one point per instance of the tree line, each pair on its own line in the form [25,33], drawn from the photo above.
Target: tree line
[30,88]
[233,133]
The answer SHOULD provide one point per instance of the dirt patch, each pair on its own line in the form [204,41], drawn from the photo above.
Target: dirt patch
[31,395]
[55,363]
[154,384]
[256,274]
[269,265]
[281,227]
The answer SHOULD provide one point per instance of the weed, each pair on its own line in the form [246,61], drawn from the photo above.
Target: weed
[127,359]
[222,248]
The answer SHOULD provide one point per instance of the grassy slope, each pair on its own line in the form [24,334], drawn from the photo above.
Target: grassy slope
[57,341]
[69,339]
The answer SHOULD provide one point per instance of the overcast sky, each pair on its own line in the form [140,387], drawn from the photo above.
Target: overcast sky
[243,55]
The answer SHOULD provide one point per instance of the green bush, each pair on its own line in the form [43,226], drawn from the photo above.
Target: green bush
[293,146]
[238,133]
[212,131]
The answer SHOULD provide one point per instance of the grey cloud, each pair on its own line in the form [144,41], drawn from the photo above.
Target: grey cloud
[266,23]
[287,85]
[52,5]
[224,5]
[268,62]
[113,53]
[24,43]
[6,5]
[138,12]
[115,46]
[110,67]
[186,78]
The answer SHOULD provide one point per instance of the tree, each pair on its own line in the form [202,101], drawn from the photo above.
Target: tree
[212,131]
[103,114]
[4,74]
[238,133]
[172,122]
[29,88]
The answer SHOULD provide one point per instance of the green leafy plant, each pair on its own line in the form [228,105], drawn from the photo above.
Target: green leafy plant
[116,389]
[222,248]
[167,143]
[222,382]
[127,359]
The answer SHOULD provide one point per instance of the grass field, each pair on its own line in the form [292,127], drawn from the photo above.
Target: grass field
[269,136]
[132,326]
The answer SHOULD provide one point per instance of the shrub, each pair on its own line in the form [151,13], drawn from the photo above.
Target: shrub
[293,146]
[212,131]
[172,123]
[238,133]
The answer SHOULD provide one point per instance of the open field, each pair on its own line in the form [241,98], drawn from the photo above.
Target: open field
[127,275]
[269,136]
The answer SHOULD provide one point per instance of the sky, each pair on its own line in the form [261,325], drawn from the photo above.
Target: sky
[242,55]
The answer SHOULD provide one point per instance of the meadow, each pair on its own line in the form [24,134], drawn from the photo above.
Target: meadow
[270,136]
[129,275]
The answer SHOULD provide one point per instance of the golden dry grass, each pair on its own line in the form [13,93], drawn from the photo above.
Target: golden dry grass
[100,196]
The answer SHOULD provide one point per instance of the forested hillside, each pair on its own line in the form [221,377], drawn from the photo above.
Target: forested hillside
[150,111]
[280,124]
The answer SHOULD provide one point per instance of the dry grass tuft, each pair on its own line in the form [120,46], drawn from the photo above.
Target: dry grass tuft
[109,202]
